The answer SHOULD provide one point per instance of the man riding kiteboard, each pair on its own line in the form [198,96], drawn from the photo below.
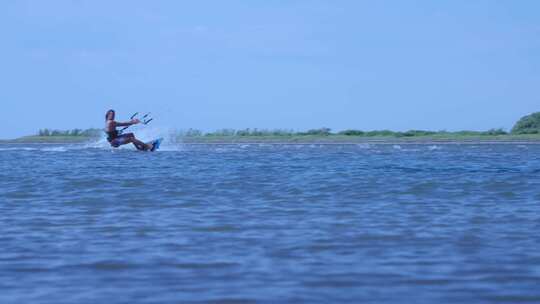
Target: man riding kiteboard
[116,139]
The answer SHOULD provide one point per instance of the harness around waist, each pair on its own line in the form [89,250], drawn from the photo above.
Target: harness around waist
[112,135]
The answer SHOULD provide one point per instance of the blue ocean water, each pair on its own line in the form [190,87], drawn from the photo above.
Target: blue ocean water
[270,224]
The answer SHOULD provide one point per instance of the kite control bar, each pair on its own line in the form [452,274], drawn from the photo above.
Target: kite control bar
[145,119]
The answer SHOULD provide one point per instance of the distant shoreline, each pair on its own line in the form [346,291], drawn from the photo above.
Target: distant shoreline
[306,139]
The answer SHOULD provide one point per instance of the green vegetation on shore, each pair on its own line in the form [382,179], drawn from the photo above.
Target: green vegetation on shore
[59,136]
[529,124]
[69,133]
[526,129]
[326,132]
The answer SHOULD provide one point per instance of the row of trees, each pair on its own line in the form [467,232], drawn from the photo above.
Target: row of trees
[328,132]
[255,132]
[529,124]
[74,132]
[280,132]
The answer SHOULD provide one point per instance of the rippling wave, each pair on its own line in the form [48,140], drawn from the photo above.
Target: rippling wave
[270,223]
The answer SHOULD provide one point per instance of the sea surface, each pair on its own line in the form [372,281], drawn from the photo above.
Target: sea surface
[255,223]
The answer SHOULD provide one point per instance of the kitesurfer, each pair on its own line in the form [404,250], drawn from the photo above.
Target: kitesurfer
[116,139]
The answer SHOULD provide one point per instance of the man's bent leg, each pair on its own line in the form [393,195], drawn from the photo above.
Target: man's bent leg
[140,145]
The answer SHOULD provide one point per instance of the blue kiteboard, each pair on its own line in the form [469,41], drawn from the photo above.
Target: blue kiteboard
[155,144]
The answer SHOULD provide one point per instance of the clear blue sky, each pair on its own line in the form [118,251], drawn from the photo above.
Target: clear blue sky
[296,64]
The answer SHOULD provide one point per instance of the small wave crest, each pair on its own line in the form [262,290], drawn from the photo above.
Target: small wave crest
[55,149]
[401,149]
[18,149]
[45,149]
[363,146]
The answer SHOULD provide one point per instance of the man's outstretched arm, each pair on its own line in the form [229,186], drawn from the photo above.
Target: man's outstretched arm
[128,123]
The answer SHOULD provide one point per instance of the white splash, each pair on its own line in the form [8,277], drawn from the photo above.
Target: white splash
[100,143]
[19,149]
[55,149]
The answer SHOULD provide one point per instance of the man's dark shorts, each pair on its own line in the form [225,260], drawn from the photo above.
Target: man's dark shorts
[120,140]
